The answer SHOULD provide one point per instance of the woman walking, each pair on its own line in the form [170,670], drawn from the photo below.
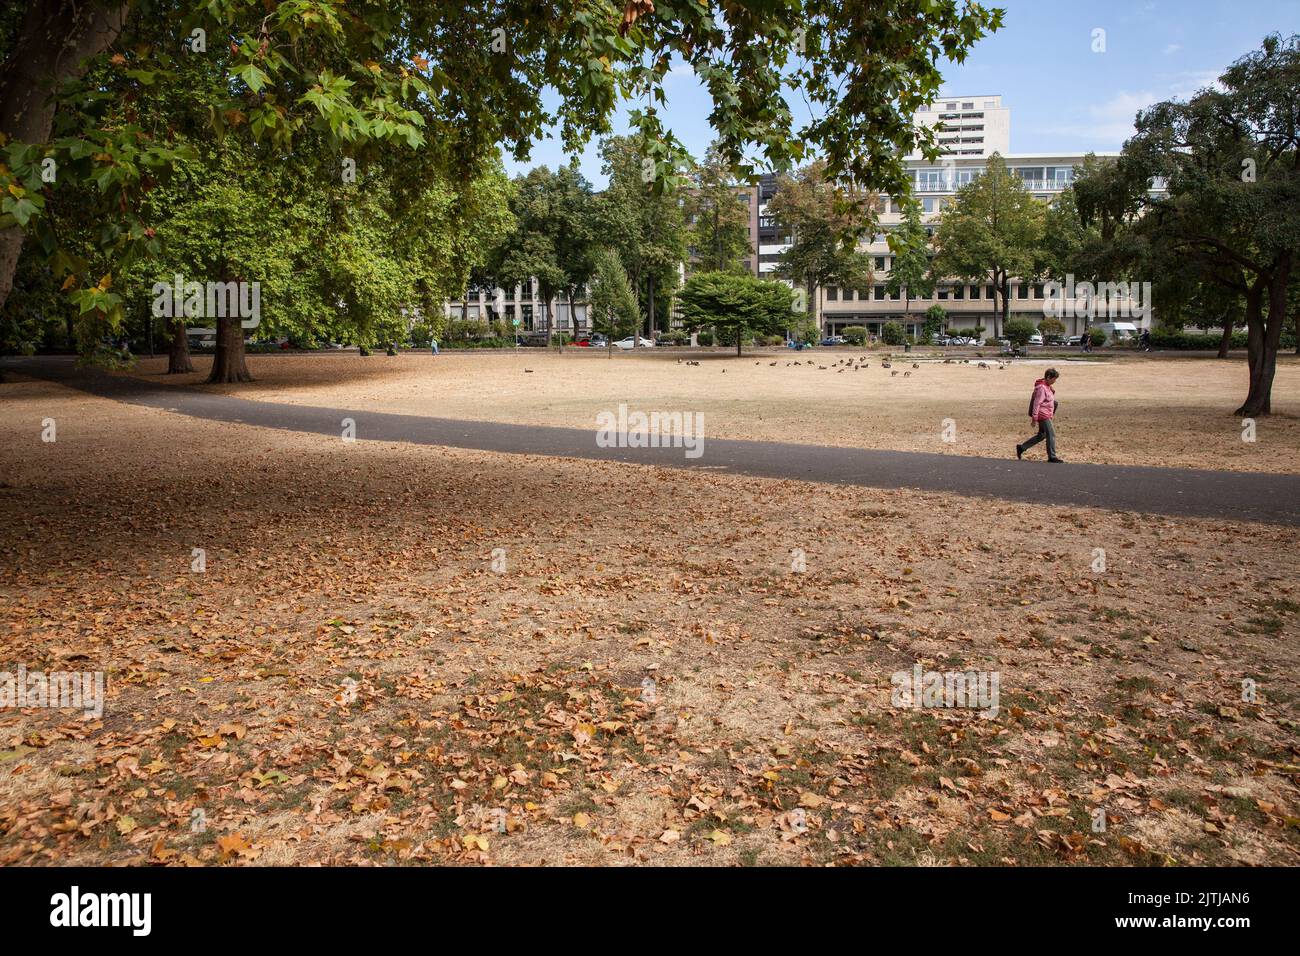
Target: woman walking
[1042,409]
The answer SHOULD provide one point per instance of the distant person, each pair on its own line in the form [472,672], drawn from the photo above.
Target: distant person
[1042,409]
[1146,340]
[433,345]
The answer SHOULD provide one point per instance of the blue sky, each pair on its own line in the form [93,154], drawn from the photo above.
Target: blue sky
[1062,95]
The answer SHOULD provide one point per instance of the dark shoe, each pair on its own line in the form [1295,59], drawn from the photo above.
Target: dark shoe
[1020,452]
[1057,461]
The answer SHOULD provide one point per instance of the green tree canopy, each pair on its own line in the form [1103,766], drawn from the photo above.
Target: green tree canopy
[991,231]
[451,81]
[737,303]
[718,219]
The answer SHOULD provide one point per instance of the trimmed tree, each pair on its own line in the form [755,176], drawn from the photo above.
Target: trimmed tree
[739,304]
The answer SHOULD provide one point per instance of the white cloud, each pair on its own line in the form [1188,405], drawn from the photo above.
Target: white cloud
[1173,48]
[1109,123]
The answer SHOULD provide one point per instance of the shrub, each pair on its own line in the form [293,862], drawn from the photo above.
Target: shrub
[855,335]
[892,334]
[705,337]
[1097,336]
[1018,331]
[1176,339]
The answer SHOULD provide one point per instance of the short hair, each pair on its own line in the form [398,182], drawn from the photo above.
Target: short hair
[1051,373]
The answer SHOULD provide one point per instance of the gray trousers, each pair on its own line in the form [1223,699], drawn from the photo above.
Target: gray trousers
[1045,430]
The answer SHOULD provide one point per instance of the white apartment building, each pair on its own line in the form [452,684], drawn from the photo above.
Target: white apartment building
[968,304]
[968,126]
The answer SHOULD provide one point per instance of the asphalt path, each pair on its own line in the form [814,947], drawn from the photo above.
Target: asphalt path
[1227,495]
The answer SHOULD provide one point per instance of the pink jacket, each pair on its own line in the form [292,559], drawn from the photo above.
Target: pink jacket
[1042,405]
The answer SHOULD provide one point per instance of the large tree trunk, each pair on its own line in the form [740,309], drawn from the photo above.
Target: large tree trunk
[1265,337]
[228,365]
[178,355]
[56,37]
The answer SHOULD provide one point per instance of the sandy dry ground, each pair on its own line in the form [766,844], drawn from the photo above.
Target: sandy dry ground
[351,681]
[1169,411]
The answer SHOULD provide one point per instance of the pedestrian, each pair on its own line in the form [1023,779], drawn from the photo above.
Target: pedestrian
[1042,409]
[433,344]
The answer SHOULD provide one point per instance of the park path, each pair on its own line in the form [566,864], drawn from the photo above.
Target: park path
[1226,495]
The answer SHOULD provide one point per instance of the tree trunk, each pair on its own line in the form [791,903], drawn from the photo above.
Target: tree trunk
[1006,306]
[178,355]
[651,310]
[1264,337]
[993,316]
[1225,340]
[56,37]
[228,365]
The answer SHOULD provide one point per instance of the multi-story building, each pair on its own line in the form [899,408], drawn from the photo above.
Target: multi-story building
[969,304]
[967,126]
[522,303]
[971,128]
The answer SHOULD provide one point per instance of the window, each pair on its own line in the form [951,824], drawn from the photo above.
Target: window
[959,292]
[880,293]
[968,106]
[927,204]
[832,293]
[1022,291]
[880,263]
[931,179]
[951,106]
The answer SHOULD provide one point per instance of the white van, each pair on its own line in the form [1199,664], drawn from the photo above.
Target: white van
[1117,332]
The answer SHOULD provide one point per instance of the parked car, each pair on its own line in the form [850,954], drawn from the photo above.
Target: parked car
[833,340]
[640,343]
[1074,340]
